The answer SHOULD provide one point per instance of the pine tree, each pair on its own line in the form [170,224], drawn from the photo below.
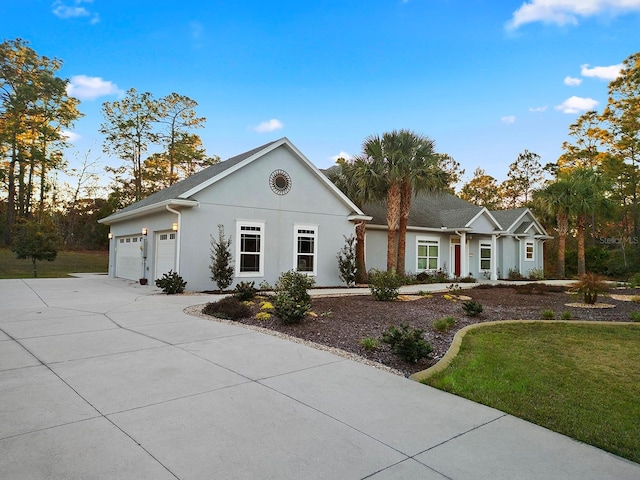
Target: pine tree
[221,260]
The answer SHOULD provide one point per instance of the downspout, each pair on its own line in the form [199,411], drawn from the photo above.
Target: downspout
[179,232]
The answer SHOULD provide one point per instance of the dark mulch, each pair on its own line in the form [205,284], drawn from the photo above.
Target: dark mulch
[343,321]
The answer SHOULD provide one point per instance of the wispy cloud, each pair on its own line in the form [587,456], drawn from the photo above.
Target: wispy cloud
[89,88]
[577,104]
[71,136]
[74,9]
[508,119]
[538,109]
[268,126]
[572,81]
[605,73]
[567,12]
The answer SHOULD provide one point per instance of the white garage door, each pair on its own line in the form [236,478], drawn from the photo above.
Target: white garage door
[129,257]
[165,253]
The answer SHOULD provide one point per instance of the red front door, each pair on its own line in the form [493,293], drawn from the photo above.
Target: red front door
[456,266]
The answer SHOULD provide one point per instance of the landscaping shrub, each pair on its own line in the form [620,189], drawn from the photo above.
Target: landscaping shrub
[171,283]
[634,281]
[370,343]
[589,286]
[472,308]
[547,314]
[635,316]
[514,274]
[229,308]
[439,276]
[384,285]
[444,324]
[347,261]
[245,291]
[566,315]
[291,300]
[407,344]
[536,274]
[221,266]
[467,279]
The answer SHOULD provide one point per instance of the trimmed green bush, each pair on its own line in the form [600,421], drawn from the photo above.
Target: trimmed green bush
[384,286]
[408,344]
[171,283]
[291,300]
[472,308]
[229,308]
[589,286]
[245,291]
[635,316]
[370,343]
[547,314]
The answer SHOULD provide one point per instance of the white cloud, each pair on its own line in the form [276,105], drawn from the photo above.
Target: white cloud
[64,11]
[342,154]
[566,12]
[572,81]
[509,119]
[538,109]
[89,88]
[605,73]
[577,105]
[269,126]
[70,136]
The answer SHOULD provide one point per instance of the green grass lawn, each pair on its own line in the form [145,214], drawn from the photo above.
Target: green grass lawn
[65,263]
[579,380]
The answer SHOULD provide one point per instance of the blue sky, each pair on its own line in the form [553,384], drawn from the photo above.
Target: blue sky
[485,79]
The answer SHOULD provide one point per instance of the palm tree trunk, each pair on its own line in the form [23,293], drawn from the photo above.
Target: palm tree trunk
[581,257]
[393,216]
[563,230]
[405,205]
[361,268]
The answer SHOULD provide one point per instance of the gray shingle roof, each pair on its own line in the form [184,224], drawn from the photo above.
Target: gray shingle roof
[431,210]
[507,217]
[177,189]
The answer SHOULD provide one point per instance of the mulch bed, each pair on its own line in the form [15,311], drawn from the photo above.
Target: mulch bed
[343,321]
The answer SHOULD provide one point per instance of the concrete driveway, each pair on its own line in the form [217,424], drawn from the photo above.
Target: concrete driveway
[105,379]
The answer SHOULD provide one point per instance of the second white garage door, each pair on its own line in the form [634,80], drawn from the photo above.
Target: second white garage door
[165,253]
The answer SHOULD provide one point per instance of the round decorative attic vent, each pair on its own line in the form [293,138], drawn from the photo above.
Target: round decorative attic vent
[280,182]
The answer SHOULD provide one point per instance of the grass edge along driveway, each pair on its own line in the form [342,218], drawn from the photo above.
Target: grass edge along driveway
[581,380]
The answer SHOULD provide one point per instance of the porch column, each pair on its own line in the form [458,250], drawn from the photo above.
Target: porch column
[464,260]
[494,257]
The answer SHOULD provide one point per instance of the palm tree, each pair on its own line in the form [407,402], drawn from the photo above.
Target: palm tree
[555,200]
[420,171]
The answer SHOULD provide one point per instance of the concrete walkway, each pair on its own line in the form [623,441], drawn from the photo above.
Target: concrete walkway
[105,379]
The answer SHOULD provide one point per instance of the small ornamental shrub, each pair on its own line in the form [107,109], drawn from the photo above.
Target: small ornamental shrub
[370,343]
[384,286]
[547,314]
[634,281]
[229,308]
[468,279]
[514,274]
[589,286]
[536,274]
[245,290]
[444,324]
[635,316]
[347,261]
[291,300]
[407,343]
[566,315]
[266,306]
[263,315]
[221,266]
[171,283]
[472,308]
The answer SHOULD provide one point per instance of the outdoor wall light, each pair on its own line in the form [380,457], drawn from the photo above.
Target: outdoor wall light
[144,231]
[110,235]
[174,227]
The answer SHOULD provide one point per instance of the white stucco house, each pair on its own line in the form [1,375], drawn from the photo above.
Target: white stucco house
[282,213]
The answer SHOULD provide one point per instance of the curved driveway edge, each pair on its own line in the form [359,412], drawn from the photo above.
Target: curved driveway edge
[103,378]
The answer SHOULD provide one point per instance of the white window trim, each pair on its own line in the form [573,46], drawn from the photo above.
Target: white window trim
[428,239]
[485,245]
[239,225]
[296,234]
[533,251]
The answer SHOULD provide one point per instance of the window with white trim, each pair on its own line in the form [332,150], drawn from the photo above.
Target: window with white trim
[529,250]
[427,254]
[250,249]
[305,248]
[485,256]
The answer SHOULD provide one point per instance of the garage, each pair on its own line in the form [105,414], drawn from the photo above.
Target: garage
[129,257]
[165,253]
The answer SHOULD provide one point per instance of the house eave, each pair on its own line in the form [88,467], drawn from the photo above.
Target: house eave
[156,207]
[359,218]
